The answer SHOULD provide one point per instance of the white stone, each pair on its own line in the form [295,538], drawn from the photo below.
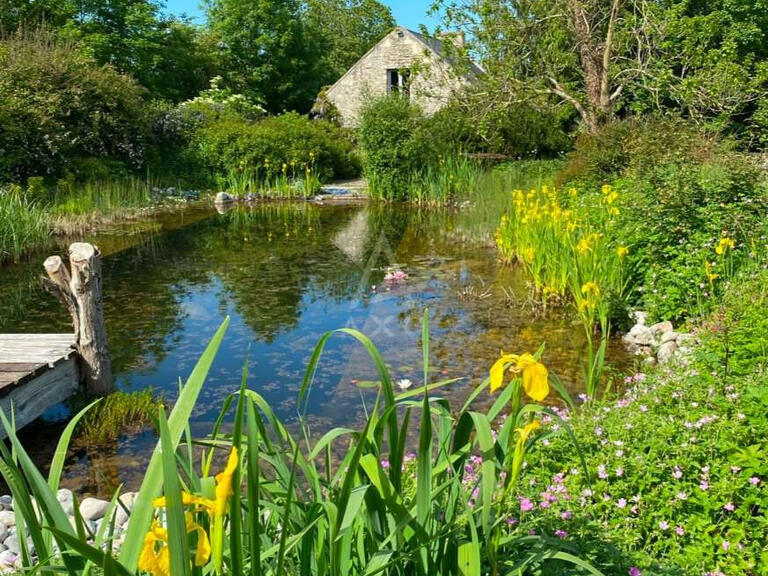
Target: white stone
[4,533]
[7,518]
[640,317]
[12,543]
[640,335]
[6,501]
[7,558]
[662,327]
[668,336]
[223,198]
[93,508]
[666,352]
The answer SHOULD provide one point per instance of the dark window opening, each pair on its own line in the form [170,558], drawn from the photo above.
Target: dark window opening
[399,81]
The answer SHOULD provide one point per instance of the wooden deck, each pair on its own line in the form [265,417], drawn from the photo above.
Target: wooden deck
[37,371]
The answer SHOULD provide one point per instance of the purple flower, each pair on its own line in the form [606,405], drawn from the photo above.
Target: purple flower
[704,485]
[663,524]
[598,431]
[526,505]
[619,471]
[679,530]
[621,503]
[385,464]
[545,504]
[511,521]
[566,515]
[634,571]
[729,506]
[681,496]
[601,473]
[562,534]
[677,473]
[754,480]
[735,469]
[726,545]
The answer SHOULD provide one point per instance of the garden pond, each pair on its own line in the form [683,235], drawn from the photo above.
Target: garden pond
[286,273]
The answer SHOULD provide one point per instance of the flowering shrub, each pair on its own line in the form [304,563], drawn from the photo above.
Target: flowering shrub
[677,468]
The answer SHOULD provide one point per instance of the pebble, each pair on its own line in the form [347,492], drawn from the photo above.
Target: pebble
[93,508]
[7,518]
[12,543]
[67,501]
[4,532]
[7,558]
[669,336]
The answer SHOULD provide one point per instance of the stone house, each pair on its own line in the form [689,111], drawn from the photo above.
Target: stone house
[403,61]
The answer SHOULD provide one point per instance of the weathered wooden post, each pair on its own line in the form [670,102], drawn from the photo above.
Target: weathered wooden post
[80,292]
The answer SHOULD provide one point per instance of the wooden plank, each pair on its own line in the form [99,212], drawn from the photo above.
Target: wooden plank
[17,366]
[35,348]
[48,389]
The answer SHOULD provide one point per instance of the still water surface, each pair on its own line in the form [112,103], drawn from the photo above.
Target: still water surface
[286,274]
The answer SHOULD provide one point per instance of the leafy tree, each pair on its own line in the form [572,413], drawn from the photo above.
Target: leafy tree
[579,52]
[345,29]
[58,106]
[265,50]
[167,56]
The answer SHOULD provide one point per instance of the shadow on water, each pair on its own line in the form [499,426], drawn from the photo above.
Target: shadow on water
[286,274]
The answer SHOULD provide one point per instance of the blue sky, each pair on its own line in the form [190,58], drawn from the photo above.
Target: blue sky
[408,13]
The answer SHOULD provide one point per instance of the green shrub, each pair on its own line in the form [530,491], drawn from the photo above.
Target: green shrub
[58,105]
[516,132]
[676,202]
[266,149]
[394,145]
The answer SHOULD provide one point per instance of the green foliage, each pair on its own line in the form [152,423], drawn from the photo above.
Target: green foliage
[286,145]
[671,462]
[395,145]
[266,51]
[57,105]
[677,201]
[325,519]
[116,414]
[735,335]
[475,124]
[22,223]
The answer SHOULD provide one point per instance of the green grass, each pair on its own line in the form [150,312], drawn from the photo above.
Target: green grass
[117,414]
[23,223]
[102,197]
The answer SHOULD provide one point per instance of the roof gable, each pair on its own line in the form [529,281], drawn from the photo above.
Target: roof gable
[433,45]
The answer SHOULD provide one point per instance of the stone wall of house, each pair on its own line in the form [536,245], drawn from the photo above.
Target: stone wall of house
[431,85]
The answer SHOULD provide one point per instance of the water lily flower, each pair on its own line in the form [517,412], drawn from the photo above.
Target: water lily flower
[535,374]
[404,383]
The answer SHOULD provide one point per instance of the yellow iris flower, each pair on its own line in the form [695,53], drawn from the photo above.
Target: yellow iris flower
[535,374]
[217,507]
[526,430]
[622,251]
[591,289]
[724,244]
[157,561]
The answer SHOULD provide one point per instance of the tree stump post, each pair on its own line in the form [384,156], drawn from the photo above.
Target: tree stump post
[80,291]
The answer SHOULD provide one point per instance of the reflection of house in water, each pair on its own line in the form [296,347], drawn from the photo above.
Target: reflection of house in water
[351,239]
[420,68]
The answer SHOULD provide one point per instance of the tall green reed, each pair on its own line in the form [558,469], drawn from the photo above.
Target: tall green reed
[23,224]
[371,510]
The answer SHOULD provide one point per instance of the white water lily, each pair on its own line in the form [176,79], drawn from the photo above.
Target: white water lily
[404,383]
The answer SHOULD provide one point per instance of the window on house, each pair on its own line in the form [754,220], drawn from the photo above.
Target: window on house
[398,80]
